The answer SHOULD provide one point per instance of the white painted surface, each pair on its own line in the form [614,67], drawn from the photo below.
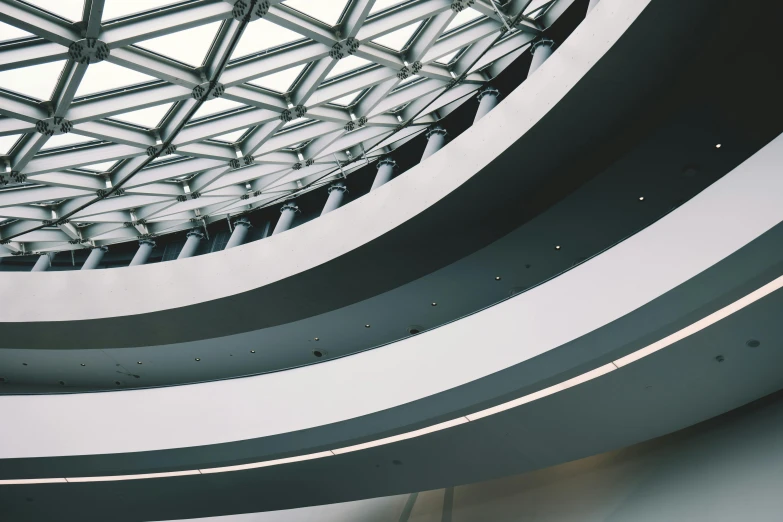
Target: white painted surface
[676,248]
[673,250]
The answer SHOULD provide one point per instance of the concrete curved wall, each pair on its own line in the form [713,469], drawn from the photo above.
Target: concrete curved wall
[129,292]
[686,242]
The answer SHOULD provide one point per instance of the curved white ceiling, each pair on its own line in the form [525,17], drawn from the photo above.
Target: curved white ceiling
[686,242]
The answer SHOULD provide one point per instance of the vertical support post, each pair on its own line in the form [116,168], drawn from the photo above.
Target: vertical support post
[95,258]
[287,214]
[43,263]
[241,226]
[337,192]
[488,99]
[194,237]
[386,169]
[146,246]
[436,139]
[541,49]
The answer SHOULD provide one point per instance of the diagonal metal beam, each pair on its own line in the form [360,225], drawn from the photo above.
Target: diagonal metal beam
[93,14]
[266,64]
[355,16]
[15,55]
[146,62]
[284,16]
[125,101]
[178,17]
[390,21]
[19,108]
[38,22]
[69,82]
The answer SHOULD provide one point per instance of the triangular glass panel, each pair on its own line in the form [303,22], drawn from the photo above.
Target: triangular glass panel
[446,59]
[347,100]
[69,9]
[105,76]
[7,142]
[396,40]
[534,5]
[215,106]
[231,137]
[462,18]
[64,140]
[279,81]
[118,8]
[381,5]
[106,166]
[262,35]
[328,12]
[9,32]
[189,46]
[147,118]
[36,81]
[347,64]
[295,122]
[409,79]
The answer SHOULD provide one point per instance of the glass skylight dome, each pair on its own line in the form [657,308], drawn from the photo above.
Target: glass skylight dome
[134,118]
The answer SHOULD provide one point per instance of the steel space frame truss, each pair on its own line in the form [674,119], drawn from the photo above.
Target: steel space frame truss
[175,176]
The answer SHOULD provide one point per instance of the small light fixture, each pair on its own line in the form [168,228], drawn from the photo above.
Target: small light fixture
[198,359]
[641,198]
[317,339]
[753,343]
[497,278]
[557,247]
[252,351]
[138,362]
[318,353]
[717,146]
[83,364]
[366,325]
[434,303]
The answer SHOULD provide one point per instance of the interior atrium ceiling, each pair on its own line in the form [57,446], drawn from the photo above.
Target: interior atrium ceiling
[127,119]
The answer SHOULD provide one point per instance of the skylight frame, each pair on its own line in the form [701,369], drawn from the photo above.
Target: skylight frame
[174,80]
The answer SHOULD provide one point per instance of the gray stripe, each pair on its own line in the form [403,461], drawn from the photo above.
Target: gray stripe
[406,511]
[448,503]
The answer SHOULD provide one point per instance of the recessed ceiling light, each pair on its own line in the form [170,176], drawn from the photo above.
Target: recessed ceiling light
[24,364]
[366,325]
[198,359]
[318,353]
[717,146]
[641,198]
[434,303]
[138,362]
[317,339]
[753,343]
[720,358]
[497,278]
[557,247]
[83,364]
[252,351]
